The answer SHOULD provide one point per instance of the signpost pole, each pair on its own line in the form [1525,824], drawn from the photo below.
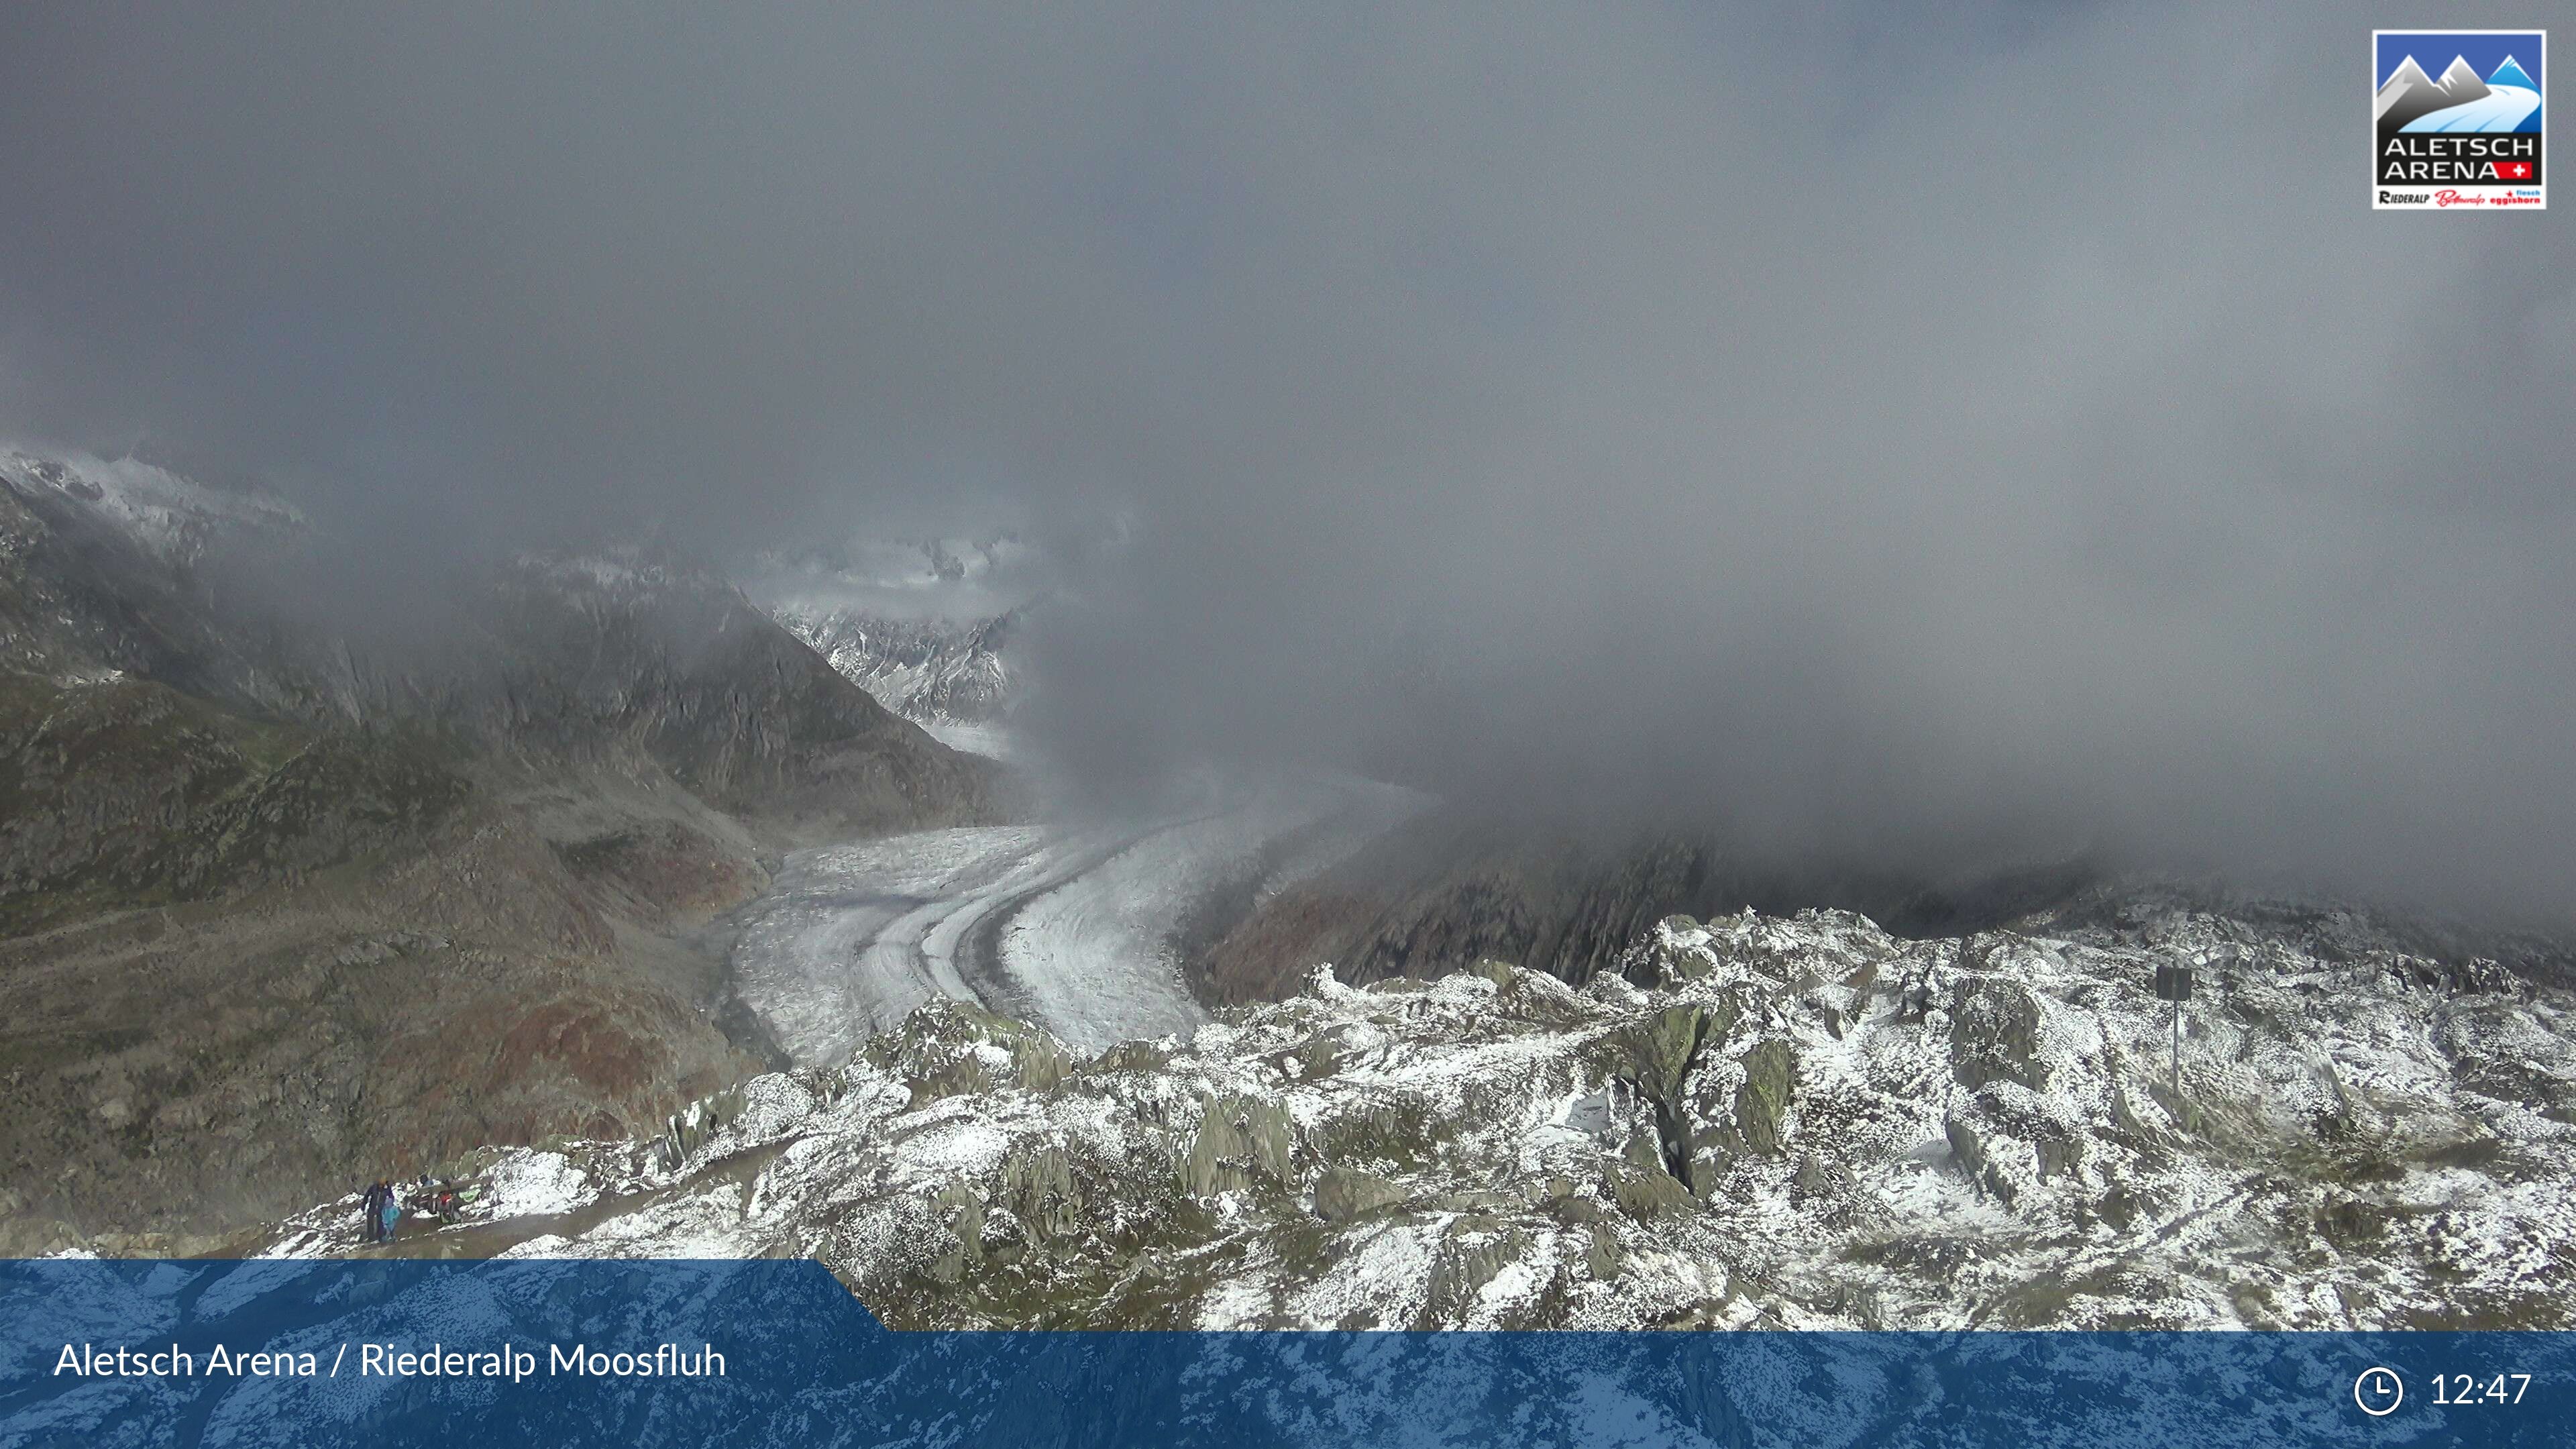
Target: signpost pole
[2173,983]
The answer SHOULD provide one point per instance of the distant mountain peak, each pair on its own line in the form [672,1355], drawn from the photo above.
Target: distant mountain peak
[2512,74]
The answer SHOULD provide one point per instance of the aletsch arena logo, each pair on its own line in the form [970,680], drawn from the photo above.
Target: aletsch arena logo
[2466,136]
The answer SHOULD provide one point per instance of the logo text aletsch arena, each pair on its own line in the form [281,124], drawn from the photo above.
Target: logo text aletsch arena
[2457,120]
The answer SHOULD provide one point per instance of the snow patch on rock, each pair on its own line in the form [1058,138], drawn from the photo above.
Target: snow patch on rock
[1759,1121]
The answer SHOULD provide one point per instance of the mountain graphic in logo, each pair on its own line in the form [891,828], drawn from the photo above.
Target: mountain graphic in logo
[2510,74]
[2413,101]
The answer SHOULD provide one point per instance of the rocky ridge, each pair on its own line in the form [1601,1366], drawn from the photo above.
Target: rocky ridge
[925,626]
[929,670]
[1757,1121]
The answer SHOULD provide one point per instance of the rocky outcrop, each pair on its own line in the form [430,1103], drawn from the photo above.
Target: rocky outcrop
[1768,1134]
[1241,1143]
[1345,1193]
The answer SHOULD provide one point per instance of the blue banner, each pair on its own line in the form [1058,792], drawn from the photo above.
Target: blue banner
[645,1354]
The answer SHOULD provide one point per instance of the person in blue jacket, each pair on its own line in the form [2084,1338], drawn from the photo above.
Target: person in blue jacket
[375,1208]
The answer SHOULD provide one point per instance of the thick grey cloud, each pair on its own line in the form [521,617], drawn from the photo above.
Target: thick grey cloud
[1870,431]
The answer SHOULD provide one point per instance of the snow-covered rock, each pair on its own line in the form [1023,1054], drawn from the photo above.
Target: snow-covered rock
[1791,1121]
[931,671]
[925,627]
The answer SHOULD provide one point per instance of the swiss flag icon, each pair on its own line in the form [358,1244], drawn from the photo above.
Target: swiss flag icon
[2513,170]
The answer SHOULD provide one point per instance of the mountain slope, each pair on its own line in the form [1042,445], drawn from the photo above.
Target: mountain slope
[287,899]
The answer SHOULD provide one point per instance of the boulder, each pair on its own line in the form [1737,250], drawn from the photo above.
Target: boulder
[1345,1193]
[1656,1053]
[1649,1193]
[1762,1102]
[1039,1187]
[1240,1142]
[1602,1256]
[1472,1252]
[1994,1035]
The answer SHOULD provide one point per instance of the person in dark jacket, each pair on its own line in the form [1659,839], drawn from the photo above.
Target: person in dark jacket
[379,1193]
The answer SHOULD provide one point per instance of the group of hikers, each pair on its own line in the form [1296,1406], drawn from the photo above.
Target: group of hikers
[381,1205]
[379,1210]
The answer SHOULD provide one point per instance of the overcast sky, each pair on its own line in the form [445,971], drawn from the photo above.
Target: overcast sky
[1861,428]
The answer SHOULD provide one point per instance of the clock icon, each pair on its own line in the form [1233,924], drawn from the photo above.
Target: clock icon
[2379,1391]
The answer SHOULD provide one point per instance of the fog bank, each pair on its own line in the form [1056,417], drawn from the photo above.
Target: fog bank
[1867,432]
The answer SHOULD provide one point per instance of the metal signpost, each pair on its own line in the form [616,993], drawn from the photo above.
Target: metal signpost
[2173,983]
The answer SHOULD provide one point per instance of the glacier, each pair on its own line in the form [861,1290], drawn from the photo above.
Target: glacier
[1067,925]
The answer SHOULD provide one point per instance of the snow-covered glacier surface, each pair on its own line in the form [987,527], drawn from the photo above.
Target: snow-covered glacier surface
[1067,925]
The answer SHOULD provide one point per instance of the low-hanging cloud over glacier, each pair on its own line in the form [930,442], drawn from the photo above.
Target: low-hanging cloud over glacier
[1861,430]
